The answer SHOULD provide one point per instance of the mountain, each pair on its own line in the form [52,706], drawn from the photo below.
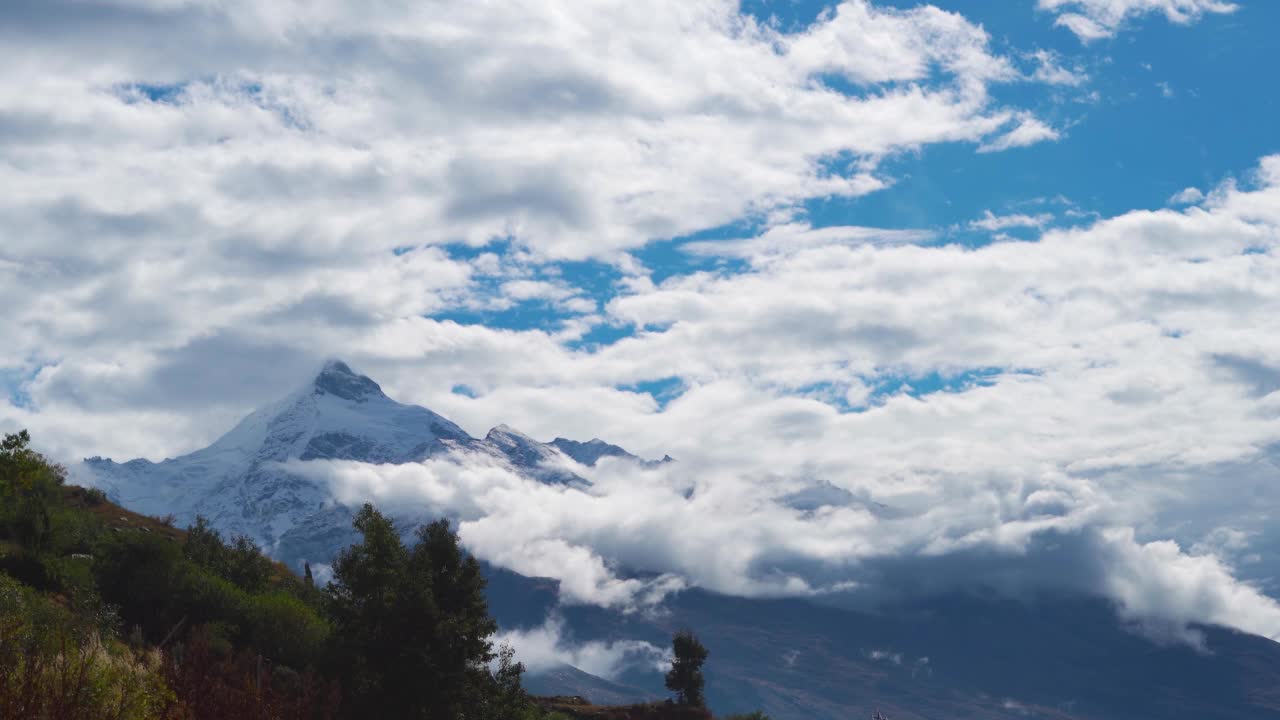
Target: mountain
[959,655]
[239,484]
[967,655]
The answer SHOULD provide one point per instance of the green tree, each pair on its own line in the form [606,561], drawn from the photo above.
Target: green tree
[204,546]
[247,566]
[411,627]
[685,677]
[509,700]
[30,490]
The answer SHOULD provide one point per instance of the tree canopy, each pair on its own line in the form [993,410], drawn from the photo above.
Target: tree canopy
[685,677]
[412,626]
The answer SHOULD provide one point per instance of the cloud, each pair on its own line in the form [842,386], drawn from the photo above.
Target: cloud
[237,175]
[1049,70]
[796,236]
[1187,196]
[1097,19]
[1029,131]
[1162,588]
[546,647]
[1064,414]
[992,222]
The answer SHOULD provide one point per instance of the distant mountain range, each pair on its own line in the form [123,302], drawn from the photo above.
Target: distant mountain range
[950,656]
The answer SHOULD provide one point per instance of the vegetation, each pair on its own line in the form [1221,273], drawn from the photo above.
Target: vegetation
[112,615]
[685,677]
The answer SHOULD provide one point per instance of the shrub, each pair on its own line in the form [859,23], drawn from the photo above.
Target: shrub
[54,666]
[285,629]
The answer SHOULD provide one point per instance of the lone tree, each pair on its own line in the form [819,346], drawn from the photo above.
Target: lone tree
[411,628]
[685,677]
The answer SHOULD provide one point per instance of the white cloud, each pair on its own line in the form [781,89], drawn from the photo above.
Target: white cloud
[239,174]
[1029,131]
[1049,69]
[796,236]
[1187,196]
[546,647]
[992,222]
[1096,19]
[1162,588]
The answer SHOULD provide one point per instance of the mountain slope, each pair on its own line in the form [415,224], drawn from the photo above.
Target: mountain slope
[969,655]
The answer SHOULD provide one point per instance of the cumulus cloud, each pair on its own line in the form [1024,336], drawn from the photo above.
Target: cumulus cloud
[1187,196]
[235,174]
[547,647]
[1162,588]
[1096,19]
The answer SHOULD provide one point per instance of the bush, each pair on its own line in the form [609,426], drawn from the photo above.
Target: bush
[285,629]
[52,666]
[94,497]
[142,574]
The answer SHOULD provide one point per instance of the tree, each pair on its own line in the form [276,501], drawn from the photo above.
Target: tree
[685,677]
[30,488]
[509,697]
[411,628]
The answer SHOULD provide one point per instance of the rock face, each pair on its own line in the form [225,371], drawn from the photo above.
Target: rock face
[241,486]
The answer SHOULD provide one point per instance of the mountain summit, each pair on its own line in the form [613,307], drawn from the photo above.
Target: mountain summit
[241,485]
[337,378]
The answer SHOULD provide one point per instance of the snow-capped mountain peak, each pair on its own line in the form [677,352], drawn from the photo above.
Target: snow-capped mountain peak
[337,378]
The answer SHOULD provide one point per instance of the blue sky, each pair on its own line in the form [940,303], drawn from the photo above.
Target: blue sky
[929,255]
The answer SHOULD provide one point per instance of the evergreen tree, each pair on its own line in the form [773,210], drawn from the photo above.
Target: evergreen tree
[411,628]
[685,677]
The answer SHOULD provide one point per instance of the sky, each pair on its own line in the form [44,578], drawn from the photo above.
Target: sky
[999,276]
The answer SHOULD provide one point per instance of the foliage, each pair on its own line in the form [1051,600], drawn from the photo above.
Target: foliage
[403,615]
[241,562]
[215,684]
[685,677]
[55,665]
[135,619]
[29,492]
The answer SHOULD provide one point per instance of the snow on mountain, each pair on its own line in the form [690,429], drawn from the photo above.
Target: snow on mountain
[238,482]
[591,452]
